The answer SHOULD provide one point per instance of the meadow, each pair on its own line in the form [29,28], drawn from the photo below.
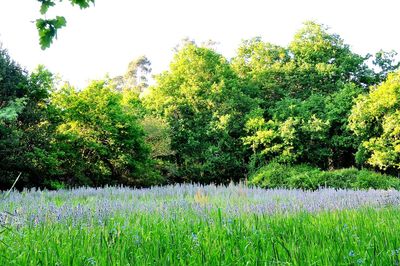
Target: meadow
[200,225]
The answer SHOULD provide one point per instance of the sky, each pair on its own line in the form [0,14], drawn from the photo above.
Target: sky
[103,39]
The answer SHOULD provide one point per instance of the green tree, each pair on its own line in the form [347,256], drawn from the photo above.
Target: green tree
[297,132]
[158,137]
[13,84]
[99,140]
[375,119]
[386,63]
[326,60]
[305,92]
[23,108]
[315,62]
[202,100]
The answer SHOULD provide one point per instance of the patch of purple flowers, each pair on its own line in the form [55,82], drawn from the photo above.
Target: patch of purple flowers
[100,205]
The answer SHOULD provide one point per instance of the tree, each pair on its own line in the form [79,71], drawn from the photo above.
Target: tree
[297,132]
[99,140]
[305,92]
[386,63]
[262,67]
[158,137]
[316,61]
[375,119]
[326,60]
[204,104]
[23,109]
[136,77]
[48,28]
[13,89]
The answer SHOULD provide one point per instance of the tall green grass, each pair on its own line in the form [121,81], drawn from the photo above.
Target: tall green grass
[349,237]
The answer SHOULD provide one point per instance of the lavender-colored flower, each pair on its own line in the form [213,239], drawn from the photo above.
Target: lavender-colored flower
[100,205]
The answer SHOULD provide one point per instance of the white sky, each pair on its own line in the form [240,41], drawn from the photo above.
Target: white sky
[105,38]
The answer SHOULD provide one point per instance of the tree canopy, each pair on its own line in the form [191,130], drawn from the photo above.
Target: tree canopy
[206,118]
[375,119]
[204,104]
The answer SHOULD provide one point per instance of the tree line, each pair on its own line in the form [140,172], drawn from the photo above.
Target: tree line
[206,119]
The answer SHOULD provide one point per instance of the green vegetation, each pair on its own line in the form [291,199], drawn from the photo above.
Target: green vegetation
[23,109]
[306,93]
[351,237]
[98,139]
[209,119]
[137,173]
[48,27]
[204,103]
[375,120]
[276,175]
[193,225]
[65,137]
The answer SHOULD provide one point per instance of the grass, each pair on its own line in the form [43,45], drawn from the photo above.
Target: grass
[196,226]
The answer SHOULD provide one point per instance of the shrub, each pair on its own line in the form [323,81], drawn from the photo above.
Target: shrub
[341,178]
[369,179]
[357,179]
[275,175]
[306,180]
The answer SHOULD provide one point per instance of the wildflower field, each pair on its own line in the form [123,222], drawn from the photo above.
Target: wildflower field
[200,225]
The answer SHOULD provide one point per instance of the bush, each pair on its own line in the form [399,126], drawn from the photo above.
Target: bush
[369,179]
[357,179]
[341,178]
[306,180]
[275,175]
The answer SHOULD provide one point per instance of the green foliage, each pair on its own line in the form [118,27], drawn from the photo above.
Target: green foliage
[375,120]
[158,136]
[11,110]
[206,119]
[98,140]
[369,179]
[327,59]
[22,108]
[358,179]
[54,184]
[305,93]
[68,138]
[203,102]
[189,234]
[313,130]
[315,62]
[45,5]
[263,67]
[275,175]
[386,62]
[48,28]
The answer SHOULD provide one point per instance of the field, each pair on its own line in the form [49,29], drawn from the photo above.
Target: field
[200,225]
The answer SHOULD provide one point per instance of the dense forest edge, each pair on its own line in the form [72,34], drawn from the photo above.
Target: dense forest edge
[308,115]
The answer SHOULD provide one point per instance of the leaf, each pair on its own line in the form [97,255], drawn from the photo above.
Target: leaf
[47,29]
[82,3]
[46,4]
[60,22]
